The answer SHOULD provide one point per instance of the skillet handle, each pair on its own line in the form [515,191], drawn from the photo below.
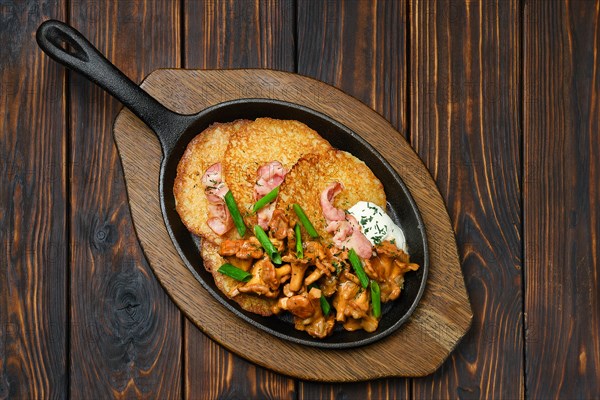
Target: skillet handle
[69,47]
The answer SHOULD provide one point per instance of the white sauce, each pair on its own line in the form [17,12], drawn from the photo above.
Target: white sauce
[376,225]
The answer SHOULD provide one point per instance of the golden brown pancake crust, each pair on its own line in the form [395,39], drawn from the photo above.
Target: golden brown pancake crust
[314,173]
[259,143]
[204,150]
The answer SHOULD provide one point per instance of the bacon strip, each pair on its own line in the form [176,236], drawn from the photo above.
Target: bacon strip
[270,176]
[215,188]
[347,233]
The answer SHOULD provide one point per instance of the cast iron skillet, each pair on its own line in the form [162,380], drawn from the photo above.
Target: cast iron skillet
[67,46]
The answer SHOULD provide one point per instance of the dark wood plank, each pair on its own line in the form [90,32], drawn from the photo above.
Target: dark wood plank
[359,47]
[126,333]
[234,34]
[464,123]
[33,256]
[213,372]
[562,198]
[380,389]
[239,34]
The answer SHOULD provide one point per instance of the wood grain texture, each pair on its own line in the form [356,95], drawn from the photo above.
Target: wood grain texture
[464,123]
[216,373]
[234,34]
[562,198]
[125,333]
[390,388]
[359,47]
[33,238]
[417,349]
[239,34]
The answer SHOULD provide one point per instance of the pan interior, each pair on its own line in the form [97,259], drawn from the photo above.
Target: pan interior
[401,208]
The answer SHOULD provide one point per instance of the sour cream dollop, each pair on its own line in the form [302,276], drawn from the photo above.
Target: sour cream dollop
[376,225]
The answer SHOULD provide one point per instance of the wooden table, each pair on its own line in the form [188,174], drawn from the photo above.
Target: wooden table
[501,99]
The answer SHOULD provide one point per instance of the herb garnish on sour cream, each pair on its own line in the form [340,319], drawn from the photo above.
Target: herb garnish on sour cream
[377,226]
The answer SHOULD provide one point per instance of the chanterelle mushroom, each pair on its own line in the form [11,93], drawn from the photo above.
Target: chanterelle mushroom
[388,269]
[279,225]
[314,276]
[264,279]
[283,273]
[298,270]
[242,248]
[307,312]
[352,304]
[348,289]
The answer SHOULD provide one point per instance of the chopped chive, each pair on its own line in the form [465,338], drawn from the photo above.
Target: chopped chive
[358,268]
[234,272]
[299,250]
[325,307]
[305,221]
[267,245]
[235,214]
[266,199]
[376,299]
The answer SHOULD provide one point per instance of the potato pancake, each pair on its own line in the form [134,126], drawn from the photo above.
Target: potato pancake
[313,173]
[204,150]
[259,143]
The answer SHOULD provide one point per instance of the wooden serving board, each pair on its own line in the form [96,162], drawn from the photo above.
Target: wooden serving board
[418,348]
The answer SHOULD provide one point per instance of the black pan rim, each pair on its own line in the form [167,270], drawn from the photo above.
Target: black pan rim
[241,313]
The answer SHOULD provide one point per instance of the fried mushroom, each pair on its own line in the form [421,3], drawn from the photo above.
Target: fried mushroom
[298,270]
[307,312]
[264,281]
[388,268]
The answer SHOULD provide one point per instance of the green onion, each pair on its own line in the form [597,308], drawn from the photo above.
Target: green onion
[235,273]
[325,307]
[266,199]
[376,299]
[305,221]
[267,245]
[235,214]
[358,268]
[299,250]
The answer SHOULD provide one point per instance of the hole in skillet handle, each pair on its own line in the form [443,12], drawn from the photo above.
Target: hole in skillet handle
[401,208]
[67,44]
